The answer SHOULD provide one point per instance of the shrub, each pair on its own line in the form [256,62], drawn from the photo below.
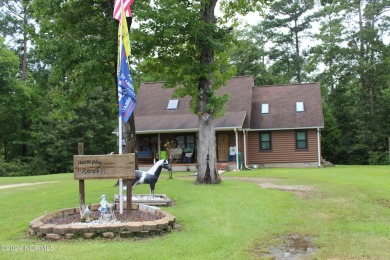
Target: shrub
[378,158]
[13,168]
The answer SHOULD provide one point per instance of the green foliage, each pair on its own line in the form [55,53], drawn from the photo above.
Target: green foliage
[285,25]
[248,55]
[172,44]
[69,94]
[330,136]
[13,102]
[379,158]
[79,42]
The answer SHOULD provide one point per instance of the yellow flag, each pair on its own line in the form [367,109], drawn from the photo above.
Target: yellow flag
[125,34]
[125,39]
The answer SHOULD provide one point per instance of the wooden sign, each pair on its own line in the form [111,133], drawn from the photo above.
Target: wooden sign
[111,166]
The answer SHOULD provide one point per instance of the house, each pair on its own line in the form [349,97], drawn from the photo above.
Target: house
[264,126]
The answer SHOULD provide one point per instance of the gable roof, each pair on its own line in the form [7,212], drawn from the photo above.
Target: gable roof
[152,115]
[243,109]
[282,101]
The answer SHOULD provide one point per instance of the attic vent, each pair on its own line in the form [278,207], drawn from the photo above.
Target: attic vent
[173,103]
[264,108]
[299,106]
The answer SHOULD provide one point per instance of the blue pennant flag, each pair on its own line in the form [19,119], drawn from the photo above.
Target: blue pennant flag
[126,94]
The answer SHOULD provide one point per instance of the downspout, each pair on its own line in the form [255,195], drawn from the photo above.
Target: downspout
[244,161]
[236,135]
[158,146]
[319,147]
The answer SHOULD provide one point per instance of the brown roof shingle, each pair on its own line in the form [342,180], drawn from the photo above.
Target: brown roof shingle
[282,113]
[243,108]
[151,114]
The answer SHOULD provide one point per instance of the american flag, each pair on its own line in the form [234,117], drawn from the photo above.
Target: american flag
[126,6]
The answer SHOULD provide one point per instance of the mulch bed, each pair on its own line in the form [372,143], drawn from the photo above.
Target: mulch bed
[135,216]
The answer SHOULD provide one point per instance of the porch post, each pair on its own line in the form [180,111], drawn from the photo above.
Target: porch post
[236,136]
[244,160]
[319,146]
[159,146]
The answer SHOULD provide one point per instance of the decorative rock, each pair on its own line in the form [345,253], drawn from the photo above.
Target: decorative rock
[89,235]
[61,229]
[35,226]
[53,236]
[69,236]
[134,226]
[98,228]
[143,207]
[67,212]
[171,219]
[46,228]
[153,209]
[176,226]
[79,229]
[161,224]
[149,225]
[116,227]
[108,235]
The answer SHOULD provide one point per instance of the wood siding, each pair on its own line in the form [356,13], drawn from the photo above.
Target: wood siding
[283,148]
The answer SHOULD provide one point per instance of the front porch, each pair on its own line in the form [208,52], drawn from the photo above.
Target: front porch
[180,147]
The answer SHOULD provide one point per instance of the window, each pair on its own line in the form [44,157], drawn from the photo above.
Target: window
[187,142]
[299,106]
[173,103]
[264,108]
[265,141]
[147,143]
[301,139]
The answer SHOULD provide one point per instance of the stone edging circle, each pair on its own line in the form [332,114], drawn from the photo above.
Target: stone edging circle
[38,228]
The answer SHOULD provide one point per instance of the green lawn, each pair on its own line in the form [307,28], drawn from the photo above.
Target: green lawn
[347,216]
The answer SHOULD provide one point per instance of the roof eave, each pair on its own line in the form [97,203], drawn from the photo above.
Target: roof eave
[164,131]
[286,128]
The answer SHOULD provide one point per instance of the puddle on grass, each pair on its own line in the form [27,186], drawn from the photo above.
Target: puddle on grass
[383,202]
[291,247]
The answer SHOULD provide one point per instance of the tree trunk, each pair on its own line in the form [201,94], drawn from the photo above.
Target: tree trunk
[25,36]
[297,54]
[131,138]
[207,162]
[207,156]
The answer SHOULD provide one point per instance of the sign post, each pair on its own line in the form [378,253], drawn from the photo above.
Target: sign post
[113,166]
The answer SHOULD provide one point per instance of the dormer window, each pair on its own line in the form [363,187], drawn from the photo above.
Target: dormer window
[299,106]
[172,105]
[264,108]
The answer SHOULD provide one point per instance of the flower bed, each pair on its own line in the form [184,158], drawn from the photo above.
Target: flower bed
[47,227]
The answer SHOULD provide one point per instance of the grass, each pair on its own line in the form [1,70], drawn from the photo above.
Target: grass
[347,216]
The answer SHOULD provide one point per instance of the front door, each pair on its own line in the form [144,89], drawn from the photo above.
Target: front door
[223,147]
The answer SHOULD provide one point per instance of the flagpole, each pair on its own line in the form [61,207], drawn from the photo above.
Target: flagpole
[120,117]
[120,180]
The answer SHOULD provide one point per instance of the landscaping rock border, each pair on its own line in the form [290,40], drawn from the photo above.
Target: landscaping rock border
[38,227]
